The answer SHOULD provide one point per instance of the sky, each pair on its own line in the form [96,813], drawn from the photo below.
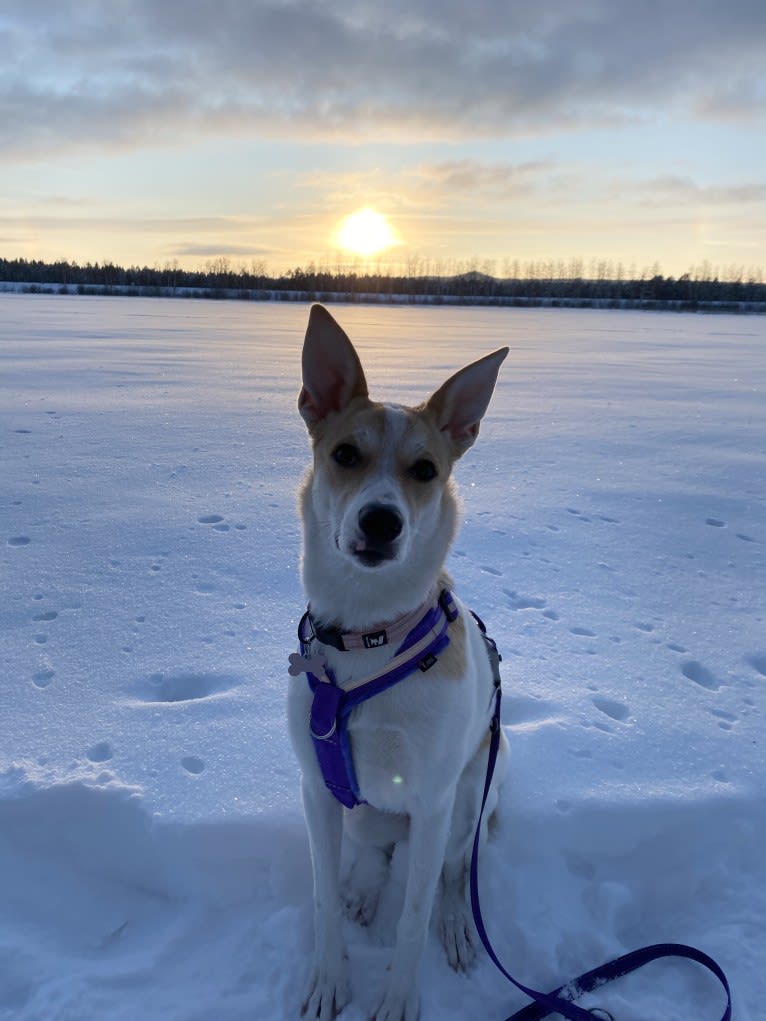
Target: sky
[600,133]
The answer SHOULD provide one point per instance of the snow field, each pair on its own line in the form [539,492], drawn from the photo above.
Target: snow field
[152,851]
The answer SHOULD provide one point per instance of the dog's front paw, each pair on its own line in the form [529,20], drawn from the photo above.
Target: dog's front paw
[360,905]
[398,1006]
[456,930]
[327,992]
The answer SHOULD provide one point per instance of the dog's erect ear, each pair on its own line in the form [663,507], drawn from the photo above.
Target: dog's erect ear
[332,372]
[459,404]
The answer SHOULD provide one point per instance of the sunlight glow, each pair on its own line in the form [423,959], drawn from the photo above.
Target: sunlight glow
[366,233]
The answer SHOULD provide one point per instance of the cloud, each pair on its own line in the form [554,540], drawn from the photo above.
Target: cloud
[743,99]
[488,180]
[163,225]
[123,74]
[669,188]
[215,250]
[437,185]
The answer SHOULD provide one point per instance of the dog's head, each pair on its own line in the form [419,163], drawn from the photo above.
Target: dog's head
[380,487]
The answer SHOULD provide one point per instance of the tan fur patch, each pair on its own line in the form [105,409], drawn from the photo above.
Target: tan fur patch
[390,438]
[452,662]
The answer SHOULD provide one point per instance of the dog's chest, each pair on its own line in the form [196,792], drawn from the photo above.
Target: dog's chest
[394,742]
[409,739]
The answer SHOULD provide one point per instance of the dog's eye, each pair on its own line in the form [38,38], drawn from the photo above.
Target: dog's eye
[423,470]
[347,455]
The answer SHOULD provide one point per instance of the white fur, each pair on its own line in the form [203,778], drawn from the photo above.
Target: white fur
[419,748]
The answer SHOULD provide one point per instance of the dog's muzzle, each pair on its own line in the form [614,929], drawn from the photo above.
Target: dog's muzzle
[380,525]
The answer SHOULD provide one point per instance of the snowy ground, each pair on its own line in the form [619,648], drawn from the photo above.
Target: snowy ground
[153,860]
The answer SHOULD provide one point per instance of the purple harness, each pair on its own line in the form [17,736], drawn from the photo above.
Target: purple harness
[333,704]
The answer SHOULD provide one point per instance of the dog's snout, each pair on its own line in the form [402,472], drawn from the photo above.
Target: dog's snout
[380,523]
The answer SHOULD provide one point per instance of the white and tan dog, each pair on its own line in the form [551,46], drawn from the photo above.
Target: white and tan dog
[379,515]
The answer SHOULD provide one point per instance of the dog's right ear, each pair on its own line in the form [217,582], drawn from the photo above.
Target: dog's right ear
[332,372]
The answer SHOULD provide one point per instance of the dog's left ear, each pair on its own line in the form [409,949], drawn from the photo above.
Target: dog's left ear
[332,372]
[460,403]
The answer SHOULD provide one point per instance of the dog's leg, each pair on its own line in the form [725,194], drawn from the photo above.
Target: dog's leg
[455,925]
[328,989]
[371,836]
[364,882]
[454,916]
[428,839]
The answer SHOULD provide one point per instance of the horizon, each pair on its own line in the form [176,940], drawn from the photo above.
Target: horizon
[612,133]
[556,271]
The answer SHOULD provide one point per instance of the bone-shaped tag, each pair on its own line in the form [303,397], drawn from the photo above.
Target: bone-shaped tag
[305,664]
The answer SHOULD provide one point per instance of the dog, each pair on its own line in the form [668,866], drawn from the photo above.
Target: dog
[379,514]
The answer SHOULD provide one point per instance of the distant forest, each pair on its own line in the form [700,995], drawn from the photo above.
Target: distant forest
[556,284]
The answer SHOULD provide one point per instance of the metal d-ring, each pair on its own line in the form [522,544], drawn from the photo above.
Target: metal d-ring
[328,735]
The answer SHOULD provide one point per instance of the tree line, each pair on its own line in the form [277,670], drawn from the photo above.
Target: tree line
[551,282]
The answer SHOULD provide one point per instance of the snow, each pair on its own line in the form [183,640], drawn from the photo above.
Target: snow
[153,857]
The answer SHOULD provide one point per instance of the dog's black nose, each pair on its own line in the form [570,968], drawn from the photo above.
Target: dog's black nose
[380,523]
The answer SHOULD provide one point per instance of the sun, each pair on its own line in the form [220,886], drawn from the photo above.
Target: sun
[366,233]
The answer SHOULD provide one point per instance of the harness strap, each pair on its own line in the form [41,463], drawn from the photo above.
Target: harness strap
[332,704]
[560,999]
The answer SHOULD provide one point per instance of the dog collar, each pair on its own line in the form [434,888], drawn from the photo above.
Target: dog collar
[373,638]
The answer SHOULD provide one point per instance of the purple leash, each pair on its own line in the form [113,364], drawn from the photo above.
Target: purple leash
[560,1000]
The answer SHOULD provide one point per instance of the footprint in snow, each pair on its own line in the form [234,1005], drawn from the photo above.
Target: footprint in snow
[578,514]
[715,522]
[193,764]
[172,688]
[612,708]
[725,719]
[517,601]
[43,678]
[758,662]
[48,615]
[101,752]
[216,520]
[700,674]
[19,540]
[582,632]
